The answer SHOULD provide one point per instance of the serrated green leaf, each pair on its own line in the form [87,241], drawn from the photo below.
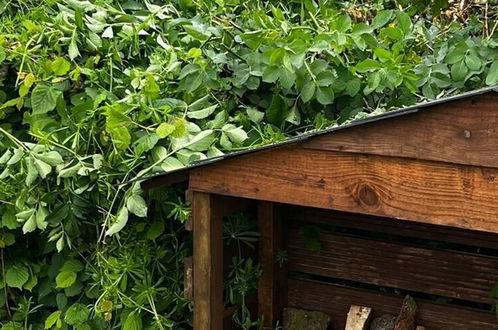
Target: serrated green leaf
[16,276]
[76,314]
[44,98]
[65,279]
[325,95]
[60,66]
[52,319]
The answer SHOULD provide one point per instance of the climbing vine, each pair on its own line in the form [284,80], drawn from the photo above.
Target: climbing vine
[96,94]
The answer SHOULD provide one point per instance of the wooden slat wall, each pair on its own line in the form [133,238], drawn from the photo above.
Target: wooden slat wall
[388,226]
[336,301]
[424,191]
[462,132]
[442,273]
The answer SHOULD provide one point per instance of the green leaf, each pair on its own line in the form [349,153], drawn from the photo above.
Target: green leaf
[202,141]
[287,78]
[43,168]
[121,220]
[73,50]
[165,129]
[155,230]
[72,265]
[404,21]
[60,66]
[52,158]
[353,87]
[325,78]
[271,74]
[473,62]
[325,95]
[65,279]
[16,276]
[76,314]
[459,70]
[171,163]
[151,88]
[6,156]
[367,65]
[32,173]
[203,113]
[44,98]
[308,91]
[30,224]
[136,205]
[255,115]
[342,23]
[133,322]
[52,319]
[492,77]
[108,33]
[294,117]
[381,19]
[236,134]
[277,111]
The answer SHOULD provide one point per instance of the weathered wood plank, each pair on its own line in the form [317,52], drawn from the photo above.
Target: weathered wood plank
[188,278]
[269,295]
[425,191]
[450,274]
[462,132]
[208,262]
[388,226]
[336,300]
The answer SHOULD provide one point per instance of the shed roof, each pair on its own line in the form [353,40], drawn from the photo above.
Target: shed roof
[311,134]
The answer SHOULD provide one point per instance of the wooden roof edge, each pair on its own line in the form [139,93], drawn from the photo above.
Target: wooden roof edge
[181,174]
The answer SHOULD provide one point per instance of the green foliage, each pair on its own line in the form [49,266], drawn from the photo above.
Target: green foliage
[94,94]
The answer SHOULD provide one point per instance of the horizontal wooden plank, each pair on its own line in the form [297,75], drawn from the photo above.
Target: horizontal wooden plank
[424,191]
[462,132]
[449,274]
[336,301]
[382,225]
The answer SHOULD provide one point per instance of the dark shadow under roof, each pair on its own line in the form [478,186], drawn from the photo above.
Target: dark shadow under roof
[308,135]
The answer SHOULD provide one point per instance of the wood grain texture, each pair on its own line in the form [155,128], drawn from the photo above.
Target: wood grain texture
[388,226]
[424,191]
[188,278]
[270,302]
[335,301]
[462,132]
[450,274]
[208,262]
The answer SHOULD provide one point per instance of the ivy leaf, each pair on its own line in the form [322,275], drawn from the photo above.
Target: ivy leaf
[136,205]
[492,77]
[65,279]
[17,276]
[121,220]
[52,319]
[325,95]
[44,98]
[76,314]
[60,66]
[133,322]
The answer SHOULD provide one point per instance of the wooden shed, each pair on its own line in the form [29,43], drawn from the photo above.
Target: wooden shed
[406,203]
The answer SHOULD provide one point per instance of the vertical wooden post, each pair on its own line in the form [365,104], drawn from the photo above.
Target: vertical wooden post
[208,262]
[269,287]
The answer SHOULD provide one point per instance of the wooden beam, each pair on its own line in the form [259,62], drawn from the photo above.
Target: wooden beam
[461,132]
[358,317]
[208,262]
[459,275]
[270,303]
[424,191]
[188,278]
[335,301]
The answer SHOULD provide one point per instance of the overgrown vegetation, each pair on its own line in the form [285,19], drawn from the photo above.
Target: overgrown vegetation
[96,93]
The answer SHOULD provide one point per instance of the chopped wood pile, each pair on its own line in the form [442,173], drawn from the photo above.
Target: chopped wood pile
[358,318]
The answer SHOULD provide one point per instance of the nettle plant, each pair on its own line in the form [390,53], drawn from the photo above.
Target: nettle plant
[97,94]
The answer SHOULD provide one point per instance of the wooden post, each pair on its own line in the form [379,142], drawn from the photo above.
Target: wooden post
[208,262]
[270,242]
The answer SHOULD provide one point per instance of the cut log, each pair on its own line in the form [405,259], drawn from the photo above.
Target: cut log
[299,319]
[406,317]
[358,317]
[384,322]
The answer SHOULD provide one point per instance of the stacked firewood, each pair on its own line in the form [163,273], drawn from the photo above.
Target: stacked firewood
[358,318]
